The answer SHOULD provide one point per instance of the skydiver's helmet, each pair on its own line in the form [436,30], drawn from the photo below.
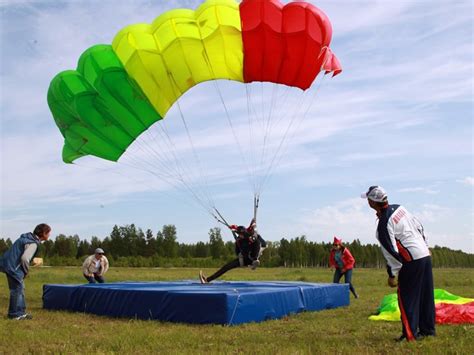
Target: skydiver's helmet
[241,230]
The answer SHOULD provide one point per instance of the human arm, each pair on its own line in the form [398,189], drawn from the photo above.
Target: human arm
[332,261]
[419,227]
[348,260]
[29,252]
[85,267]
[386,237]
[233,229]
[105,265]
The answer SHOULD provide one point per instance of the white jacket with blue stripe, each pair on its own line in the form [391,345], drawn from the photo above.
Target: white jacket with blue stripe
[401,236]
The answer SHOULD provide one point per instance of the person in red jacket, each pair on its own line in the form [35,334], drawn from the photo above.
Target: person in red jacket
[342,260]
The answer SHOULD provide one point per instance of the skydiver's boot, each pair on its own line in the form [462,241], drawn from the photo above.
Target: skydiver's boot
[202,278]
[255,264]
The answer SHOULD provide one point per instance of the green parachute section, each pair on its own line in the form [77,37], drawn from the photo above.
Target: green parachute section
[98,108]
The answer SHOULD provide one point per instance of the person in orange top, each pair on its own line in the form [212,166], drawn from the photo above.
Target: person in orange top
[342,260]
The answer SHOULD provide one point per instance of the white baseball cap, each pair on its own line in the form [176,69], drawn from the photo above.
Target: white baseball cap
[375,193]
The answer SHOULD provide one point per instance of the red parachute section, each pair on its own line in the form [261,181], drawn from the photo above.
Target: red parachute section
[447,313]
[286,44]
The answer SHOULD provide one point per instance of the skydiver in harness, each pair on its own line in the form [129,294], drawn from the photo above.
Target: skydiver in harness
[249,246]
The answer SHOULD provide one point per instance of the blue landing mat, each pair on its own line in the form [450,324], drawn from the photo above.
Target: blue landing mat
[190,302]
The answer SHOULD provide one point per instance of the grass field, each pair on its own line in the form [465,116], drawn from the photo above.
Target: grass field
[343,330]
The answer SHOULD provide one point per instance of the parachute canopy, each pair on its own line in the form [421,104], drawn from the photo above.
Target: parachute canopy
[118,91]
[450,309]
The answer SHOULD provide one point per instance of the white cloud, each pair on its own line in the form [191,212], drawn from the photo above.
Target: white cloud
[426,190]
[349,219]
[468,180]
[352,218]
[401,110]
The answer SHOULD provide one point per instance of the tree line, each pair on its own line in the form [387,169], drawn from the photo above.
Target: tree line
[131,246]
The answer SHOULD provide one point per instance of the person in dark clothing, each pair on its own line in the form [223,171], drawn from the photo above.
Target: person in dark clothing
[15,263]
[343,262]
[248,248]
[404,246]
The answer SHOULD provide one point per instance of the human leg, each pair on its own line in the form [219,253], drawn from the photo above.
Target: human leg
[99,279]
[17,305]
[254,255]
[337,276]
[427,305]
[348,280]
[90,279]
[409,292]
[229,266]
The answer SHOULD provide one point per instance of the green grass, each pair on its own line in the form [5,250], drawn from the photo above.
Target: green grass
[342,330]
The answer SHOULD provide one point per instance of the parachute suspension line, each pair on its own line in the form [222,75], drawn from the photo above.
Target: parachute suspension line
[182,169]
[152,172]
[207,195]
[255,125]
[174,162]
[282,141]
[163,162]
[204,186]
[139,182]
[256,200]
[252,153]
[268,125]
[250,175]
[275,120]
[219,218]
[197,186]
[313,99]
[169,179]
[162,154]
[292,121]
[160,165]
[167,166]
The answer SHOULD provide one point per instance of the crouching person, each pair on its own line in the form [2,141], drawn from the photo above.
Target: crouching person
[95,266]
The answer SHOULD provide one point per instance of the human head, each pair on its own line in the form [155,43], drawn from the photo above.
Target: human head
[42,231]
[99,252]
[376,197]
[337,243]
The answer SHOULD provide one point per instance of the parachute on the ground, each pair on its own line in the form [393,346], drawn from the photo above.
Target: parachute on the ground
[450,309]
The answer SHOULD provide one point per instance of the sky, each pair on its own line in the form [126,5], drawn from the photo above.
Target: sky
[399,116]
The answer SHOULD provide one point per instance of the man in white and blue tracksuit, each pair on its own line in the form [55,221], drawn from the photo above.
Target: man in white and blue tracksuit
[404,247]
[15,263]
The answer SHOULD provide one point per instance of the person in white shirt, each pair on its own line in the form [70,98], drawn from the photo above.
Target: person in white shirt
[95,266]
[404,247]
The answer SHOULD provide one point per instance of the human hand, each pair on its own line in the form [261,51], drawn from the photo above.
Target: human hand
[392,281]
[343,271]
[36,262]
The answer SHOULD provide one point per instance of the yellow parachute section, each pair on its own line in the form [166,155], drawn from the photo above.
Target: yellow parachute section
[182,48]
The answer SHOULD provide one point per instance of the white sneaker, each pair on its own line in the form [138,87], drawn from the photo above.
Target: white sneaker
[25,316]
